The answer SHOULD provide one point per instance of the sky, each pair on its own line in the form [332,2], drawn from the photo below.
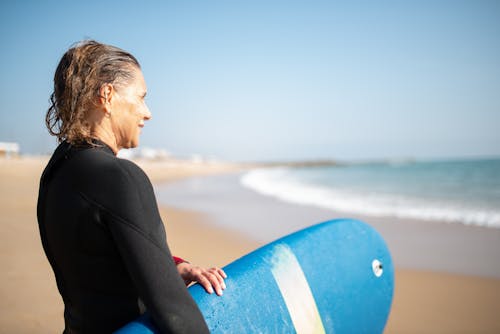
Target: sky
[275,80]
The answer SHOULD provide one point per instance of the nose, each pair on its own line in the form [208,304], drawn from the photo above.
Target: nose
[147,113]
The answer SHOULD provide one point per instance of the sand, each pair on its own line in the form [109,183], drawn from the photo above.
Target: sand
[424,302]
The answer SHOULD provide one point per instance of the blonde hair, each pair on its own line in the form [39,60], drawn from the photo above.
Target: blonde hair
[81,72]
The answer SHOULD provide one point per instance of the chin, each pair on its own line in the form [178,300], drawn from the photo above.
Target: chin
[134,144]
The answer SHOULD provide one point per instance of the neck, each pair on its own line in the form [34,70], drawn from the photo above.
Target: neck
[106,135]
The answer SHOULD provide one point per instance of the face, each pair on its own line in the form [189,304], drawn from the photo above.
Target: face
[129,112]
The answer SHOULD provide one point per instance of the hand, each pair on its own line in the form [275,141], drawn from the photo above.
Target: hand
[211,279]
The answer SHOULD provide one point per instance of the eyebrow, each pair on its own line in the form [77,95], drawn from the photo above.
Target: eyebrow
[144,95]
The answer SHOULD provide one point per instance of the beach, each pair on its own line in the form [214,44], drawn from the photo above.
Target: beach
[425,301]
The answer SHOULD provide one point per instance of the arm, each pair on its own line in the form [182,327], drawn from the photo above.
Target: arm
[138,233]
[157,281]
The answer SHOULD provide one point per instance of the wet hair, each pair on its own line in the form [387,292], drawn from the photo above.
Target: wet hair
[82,71]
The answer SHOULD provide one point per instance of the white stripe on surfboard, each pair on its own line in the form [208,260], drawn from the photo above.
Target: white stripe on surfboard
[296,292]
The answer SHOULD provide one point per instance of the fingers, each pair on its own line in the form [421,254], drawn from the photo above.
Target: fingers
[222,273]
[206,284]
[215,280]
[210,279]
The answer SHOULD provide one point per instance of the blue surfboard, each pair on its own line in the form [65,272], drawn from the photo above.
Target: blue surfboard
[333,277]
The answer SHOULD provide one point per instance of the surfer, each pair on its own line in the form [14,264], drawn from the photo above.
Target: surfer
[98,218]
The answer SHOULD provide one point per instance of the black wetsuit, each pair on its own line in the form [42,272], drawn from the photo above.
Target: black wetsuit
[104,238]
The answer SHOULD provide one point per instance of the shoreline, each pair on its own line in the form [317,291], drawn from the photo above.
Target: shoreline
[414,244]
[424,301]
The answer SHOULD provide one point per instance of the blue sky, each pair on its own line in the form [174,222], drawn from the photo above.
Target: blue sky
[276,80]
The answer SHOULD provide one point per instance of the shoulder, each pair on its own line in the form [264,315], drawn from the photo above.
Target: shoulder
[131,169]
[105,165]
[102,172]
[118,185]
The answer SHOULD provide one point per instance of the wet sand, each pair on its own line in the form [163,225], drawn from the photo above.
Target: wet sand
[447,275]
[424,302]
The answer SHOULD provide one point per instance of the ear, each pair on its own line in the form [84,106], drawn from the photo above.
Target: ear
[106,95]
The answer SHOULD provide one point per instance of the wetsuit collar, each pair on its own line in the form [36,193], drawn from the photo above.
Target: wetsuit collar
[102,145]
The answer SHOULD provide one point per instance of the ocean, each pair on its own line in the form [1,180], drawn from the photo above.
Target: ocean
[440,216]
[466,192]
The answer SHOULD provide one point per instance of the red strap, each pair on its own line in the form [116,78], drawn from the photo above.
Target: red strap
[178,260]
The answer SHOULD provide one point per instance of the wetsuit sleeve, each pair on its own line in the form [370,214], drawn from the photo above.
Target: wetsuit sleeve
[138,232]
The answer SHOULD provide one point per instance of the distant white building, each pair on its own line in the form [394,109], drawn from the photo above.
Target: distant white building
[8,150]
[144,153]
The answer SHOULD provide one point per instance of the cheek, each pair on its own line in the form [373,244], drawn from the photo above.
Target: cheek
[137,110]
[143,109]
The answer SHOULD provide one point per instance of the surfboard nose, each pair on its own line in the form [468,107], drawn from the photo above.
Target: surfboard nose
[334,277]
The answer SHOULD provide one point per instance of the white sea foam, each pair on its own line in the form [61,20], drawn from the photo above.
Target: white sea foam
[280,183]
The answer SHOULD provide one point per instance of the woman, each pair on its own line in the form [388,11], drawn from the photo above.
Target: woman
[98,218]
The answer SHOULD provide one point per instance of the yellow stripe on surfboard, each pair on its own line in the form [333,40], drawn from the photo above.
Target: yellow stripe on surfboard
[296,292]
